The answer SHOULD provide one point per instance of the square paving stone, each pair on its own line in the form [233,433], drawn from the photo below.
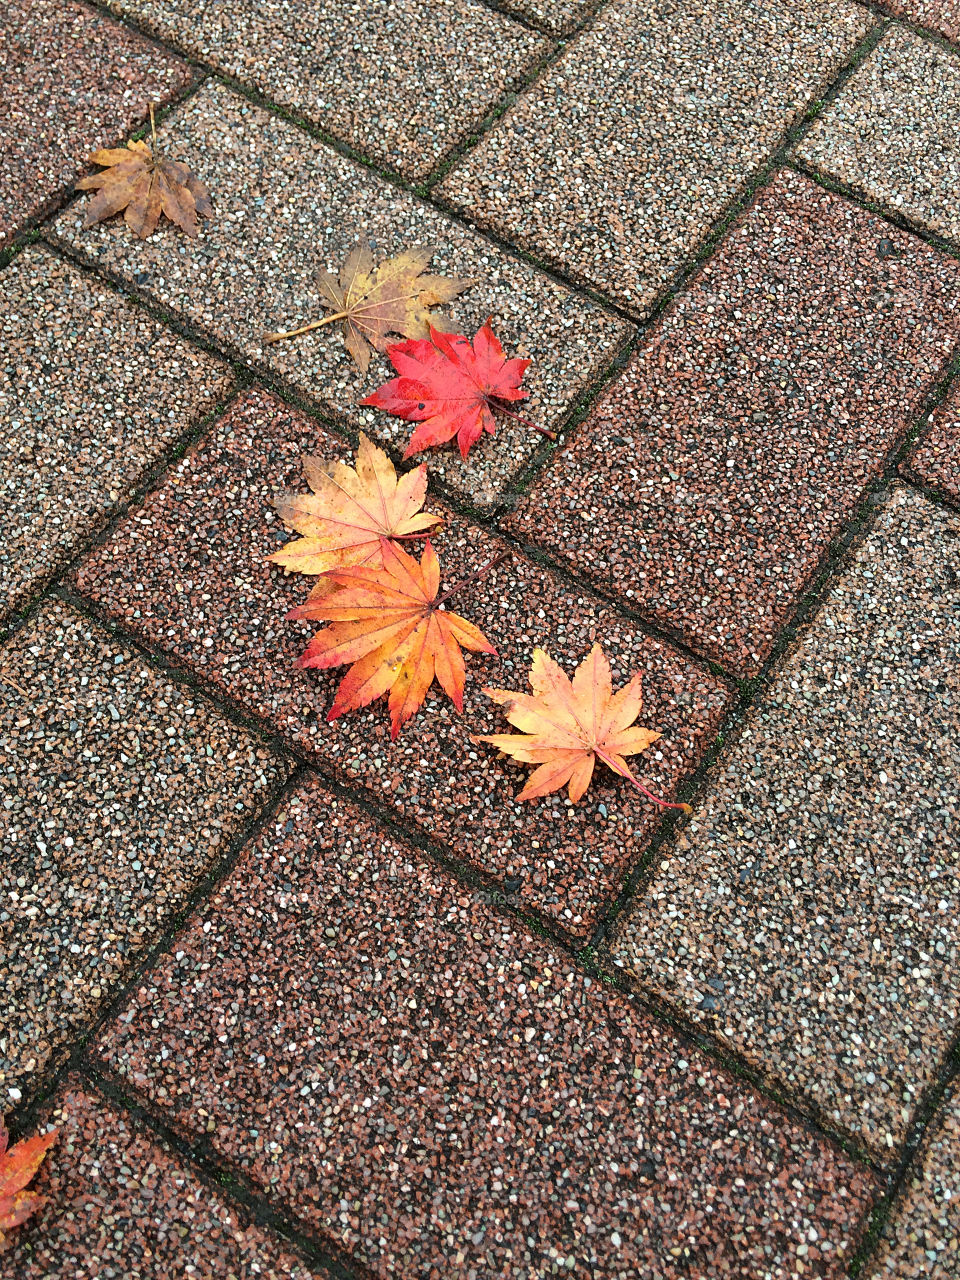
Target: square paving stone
[119,791]
[809,913]
[73,81]
[121,1205]
[187,572]
[616,164]
[93,392]
[706,485]
[441,1094]
[935,459]
[941,16]
[401,82]
[921,1239]
[287,207]
[891,135]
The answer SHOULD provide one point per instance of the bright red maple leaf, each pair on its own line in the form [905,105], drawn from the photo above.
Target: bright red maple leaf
[17,1167]
[450,387]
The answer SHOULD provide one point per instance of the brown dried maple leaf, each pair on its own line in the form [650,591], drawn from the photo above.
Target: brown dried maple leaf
[350,509]
[376,303]
[17,1167]
[567,725]
[388,622]
[142,182]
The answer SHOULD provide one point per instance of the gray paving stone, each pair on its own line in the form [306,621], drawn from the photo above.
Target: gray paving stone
[809,912]
[892,134]
[618,161]
[287,206]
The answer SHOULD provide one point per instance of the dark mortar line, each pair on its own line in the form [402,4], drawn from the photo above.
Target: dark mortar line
[881,11]
[42,1088]
[32,229]
[521,19]
[220,1175]
[103,531]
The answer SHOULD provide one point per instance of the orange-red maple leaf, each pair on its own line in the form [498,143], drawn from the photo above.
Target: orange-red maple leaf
[450,387]
[567,725]
[388,623]
[17,1167]
[350,509]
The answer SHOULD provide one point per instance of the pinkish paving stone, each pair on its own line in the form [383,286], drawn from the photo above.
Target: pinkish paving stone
[705,487]
[118,791]
[288,206]
[935,459]
[437,1092]
[809,913]
[187,572]
[73,81]
[941,16]
[616,164]
[120,1206]
[921,1239]
[401,82]
[93,392]
[891,134]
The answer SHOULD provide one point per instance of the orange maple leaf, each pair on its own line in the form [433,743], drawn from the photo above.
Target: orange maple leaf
[350,509]
[567,725]
[388,622]
[17,1167]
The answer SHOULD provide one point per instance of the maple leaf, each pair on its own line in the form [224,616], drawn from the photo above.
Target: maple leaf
[350,509]
[17,1167]
[375,302]
[141,181]
[451,388]
[387,621]
[567,725]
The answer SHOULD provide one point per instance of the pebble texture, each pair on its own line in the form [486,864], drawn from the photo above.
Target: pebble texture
[122,1207]
[809,914]
[616,165]
[401,82]
[92,393]
[559,17]
[935,459]
[288,206]
[72,81]
[119,791]
[921,1240]
[441,1095]
[891,135]
[941,16]
[188,573]
[708,482]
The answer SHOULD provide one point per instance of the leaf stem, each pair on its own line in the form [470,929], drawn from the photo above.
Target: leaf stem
[13,685]
[153,131]
[306,328]
[664,804]
[473,577]
[544,431]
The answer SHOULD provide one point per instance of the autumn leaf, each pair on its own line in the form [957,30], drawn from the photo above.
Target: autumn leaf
[348,512]
[140,180]
[375,302]
[567,725]
[388,623]
[451,388]
[17,1167]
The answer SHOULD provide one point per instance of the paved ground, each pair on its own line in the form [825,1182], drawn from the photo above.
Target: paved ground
[306,1003]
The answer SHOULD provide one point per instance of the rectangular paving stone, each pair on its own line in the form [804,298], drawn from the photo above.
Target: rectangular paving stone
[921,1239]
[73,81]
[403,83]
[119,792]
[707,483]
[187,572]
[93,392]
[441,1094]
[935,458]
[808,915]
[891,134]
[941,16]
[121,1204]
[617,163]
[287,207]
